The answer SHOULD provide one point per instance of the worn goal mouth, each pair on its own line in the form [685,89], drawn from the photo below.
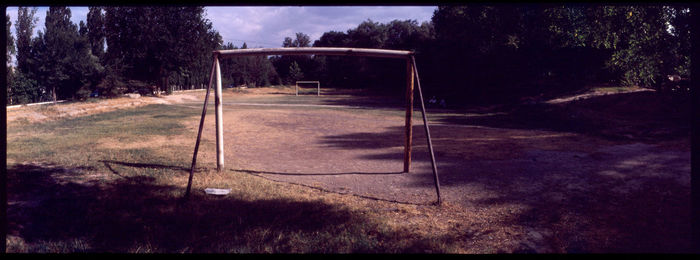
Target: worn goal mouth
[411,75]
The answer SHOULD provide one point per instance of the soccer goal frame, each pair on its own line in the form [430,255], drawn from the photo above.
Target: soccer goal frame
[318,86]
[411,75]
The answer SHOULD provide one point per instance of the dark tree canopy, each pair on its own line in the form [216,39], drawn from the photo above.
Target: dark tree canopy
[96,30]
[470,54]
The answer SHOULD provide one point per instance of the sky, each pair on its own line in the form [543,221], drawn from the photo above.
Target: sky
[267,26]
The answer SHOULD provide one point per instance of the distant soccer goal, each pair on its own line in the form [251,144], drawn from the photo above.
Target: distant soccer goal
[318,86]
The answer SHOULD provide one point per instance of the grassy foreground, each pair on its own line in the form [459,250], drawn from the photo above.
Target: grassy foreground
[112,182]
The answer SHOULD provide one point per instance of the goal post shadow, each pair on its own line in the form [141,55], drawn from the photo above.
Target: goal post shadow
[411,75]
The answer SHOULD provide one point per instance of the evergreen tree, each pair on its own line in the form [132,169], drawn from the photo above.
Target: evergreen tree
[295,72]
[70,70]
[24,28]
[24,88]
[95,30]
[10,50]
[10,41]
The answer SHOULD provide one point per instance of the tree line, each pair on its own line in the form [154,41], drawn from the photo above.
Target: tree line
[117,50]
[474,53]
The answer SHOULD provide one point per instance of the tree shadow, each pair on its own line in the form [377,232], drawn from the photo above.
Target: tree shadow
[364,99]
[643,116]
[141,214]
[143,165]
[620,196]
[314,174]
[620,204]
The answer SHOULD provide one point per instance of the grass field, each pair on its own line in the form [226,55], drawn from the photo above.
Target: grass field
[113,181]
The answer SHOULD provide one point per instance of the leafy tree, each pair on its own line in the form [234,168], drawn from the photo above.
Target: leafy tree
[95,30]
[24,89]
[381,74]
[152,43]
[333,70]
[251,71]
[646,43]
[24,28]
[65,62]
[10,41]
[10,50]
[301,40]
[283,63]
[295,72]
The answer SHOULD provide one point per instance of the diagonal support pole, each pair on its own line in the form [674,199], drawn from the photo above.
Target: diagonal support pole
[201,125]
[427,131]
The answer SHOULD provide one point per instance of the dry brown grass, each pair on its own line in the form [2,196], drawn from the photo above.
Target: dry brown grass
[108,187]
[42,113]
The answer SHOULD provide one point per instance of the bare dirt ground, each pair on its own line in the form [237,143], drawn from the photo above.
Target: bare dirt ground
[604,174]
[597,173]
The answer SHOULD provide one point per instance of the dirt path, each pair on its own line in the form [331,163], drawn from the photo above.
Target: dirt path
[559,190]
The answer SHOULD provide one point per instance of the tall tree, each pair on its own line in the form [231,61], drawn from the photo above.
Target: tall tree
[24,88]
[295,72]
[283,63]
[646,43]
[95,30]
[149,44]
[10,45]
[10,50]
[66,62]
[24,28]
[249,71]
[381,74]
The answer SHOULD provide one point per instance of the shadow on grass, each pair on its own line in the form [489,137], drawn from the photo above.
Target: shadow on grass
[643,116]
[572,193]
[138,214]
[144,165]
[315,174]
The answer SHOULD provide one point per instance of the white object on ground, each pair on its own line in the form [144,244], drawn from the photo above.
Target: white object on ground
[212,191]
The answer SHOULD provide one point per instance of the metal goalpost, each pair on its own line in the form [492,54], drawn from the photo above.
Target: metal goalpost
[318,86]
[411,75]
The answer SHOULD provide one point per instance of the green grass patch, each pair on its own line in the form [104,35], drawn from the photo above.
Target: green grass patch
[611,89]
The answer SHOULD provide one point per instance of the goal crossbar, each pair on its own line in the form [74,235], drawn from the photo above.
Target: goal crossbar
[333,51]
[411,75]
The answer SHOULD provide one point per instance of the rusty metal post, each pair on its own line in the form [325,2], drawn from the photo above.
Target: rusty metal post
[199,133]
[409,117]
[219,119]
[427,133]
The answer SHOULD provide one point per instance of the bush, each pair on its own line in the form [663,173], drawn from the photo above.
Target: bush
[111,86]
[83,92]
[24,90]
